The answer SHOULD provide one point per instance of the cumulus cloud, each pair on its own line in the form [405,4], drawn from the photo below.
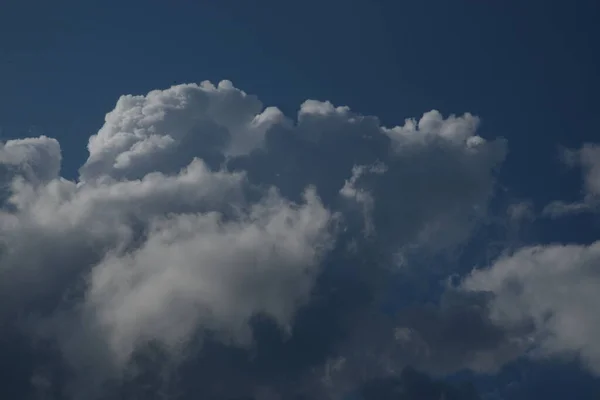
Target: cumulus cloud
[554,289]
[422,185]
[160,258]
[72,225]
[198,211]
[197,270]
[161,130]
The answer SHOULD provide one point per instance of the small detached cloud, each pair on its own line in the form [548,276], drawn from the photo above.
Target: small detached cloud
[588,159]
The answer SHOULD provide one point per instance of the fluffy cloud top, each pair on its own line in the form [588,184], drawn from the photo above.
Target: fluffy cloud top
[588,158]
[200,271]
[198,211]
[160,130]
[38,159]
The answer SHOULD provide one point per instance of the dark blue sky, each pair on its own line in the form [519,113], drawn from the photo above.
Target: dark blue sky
[529,69]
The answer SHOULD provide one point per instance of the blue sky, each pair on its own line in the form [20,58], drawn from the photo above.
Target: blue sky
[529,70]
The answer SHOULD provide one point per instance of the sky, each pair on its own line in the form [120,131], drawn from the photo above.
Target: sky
[324,199]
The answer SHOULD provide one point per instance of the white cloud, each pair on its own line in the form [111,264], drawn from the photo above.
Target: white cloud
[196,270]
[555,288]
[145,133]
[36,159]
[197,209]
[165,254]
[432,124]
[437,181]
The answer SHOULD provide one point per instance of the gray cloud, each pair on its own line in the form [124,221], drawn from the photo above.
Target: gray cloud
[36,159]
[554,289]
[220,274]
[588,159]
[455,334]
[151,133]
[205,225]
